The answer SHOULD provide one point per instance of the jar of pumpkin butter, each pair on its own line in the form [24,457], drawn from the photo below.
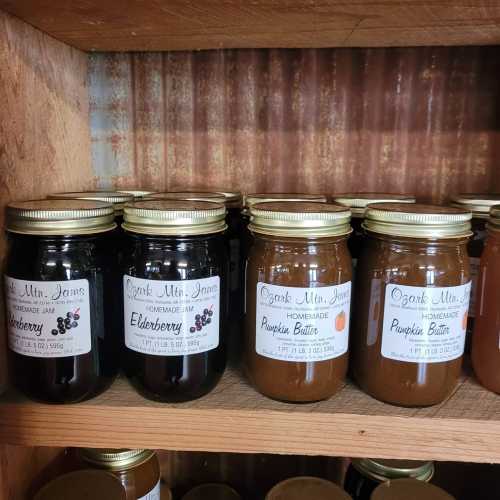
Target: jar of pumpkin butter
[299,275]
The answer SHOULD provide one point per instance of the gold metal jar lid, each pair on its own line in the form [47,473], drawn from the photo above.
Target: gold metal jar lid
[115,459]
[305,487]
[253,198]
[136,193]
[232,199]
[189,196]
[116,198]
[382,470]
[174,217]
[409,489]
[59,217]
[299,219]
[494,221]
[358,202]
[417,220]
[478,204]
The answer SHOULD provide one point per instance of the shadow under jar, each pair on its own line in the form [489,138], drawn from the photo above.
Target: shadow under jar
[486,336]
[175,269]
[298,300]
[411,303]
[62,337]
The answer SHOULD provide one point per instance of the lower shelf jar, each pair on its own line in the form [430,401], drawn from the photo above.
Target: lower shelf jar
[409,489]
[137,470]
[410,309]
[298,300]
[174,279]
[365,474]
[212,491]
[310,488]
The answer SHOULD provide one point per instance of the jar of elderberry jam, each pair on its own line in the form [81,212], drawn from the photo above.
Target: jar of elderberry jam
[58,277]
[116,198]
[175,268]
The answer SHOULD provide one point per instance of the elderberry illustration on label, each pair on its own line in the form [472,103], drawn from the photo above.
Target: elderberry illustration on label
[171,318]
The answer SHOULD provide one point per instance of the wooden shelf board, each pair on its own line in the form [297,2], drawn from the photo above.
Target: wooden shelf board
[234,418]
[185,25]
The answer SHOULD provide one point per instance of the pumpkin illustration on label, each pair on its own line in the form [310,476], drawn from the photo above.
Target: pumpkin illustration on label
[340,321]
[464,320]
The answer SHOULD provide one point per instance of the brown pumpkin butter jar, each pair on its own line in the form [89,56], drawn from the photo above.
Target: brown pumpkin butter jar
[479,205]
[412,297]
[137,470]
[298,300]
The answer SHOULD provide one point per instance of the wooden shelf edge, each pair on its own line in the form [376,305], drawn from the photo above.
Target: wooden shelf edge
[246,431]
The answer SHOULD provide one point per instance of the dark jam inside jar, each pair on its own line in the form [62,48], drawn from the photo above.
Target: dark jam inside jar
[412,298]
[61,318]
[175,298]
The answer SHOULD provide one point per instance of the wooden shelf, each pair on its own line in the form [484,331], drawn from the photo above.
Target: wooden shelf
[234,418]
[184,25]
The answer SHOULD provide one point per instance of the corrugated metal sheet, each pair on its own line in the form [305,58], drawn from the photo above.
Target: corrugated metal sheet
[421,120]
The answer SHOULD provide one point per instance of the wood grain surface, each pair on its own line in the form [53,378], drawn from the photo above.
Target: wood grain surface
[44,122]
[418,120]
[147,25]
[234,418]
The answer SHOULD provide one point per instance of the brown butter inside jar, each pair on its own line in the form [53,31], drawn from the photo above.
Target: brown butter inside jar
[409,489]
[298,300]
[479,205]
[310,488]
[137,470]
[412,294]
[486,339]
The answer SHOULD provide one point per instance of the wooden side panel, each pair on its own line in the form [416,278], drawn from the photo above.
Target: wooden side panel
[44,128]
[325,120]
[187,25]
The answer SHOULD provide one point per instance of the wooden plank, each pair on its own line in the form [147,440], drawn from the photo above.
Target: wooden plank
[234,418]
[410,120]
[184,25]
[44,127]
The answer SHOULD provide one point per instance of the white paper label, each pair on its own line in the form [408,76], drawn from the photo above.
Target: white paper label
[154,494]
[302,324]
[48,319]
[425,324]
[474,274]
[171,318]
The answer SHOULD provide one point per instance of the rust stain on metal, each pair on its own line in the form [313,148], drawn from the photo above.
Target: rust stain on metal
[420,120]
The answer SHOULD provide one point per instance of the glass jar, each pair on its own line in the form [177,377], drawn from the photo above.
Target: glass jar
[486,338]
[83,485]
[310,488]
[137,470]
[212,491]
[410,489]
[175,269]
[365,474]
[58,277]
[298,300]
[358,202]
[479,205]
[412,297]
